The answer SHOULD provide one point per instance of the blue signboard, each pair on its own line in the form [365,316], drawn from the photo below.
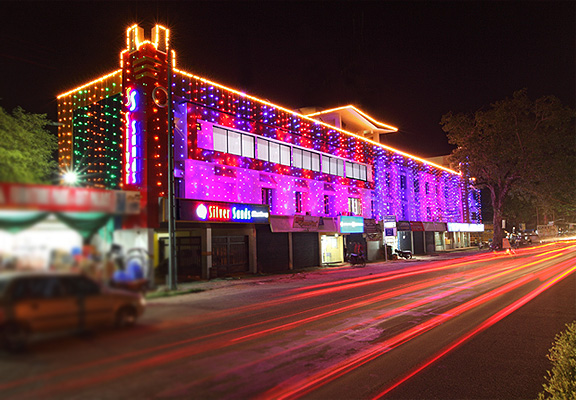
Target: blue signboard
[215,211]
[351,224]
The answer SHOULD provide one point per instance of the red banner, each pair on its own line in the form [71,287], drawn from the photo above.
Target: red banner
[18,196]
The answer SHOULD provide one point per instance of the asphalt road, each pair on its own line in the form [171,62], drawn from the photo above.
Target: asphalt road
[478,326]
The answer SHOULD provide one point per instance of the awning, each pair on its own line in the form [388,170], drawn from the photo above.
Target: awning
[434,226]
[301,223]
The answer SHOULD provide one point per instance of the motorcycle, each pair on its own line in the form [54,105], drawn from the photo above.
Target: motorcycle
[406,254]
[356,259]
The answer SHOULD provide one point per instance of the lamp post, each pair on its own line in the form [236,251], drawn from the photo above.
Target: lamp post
[172,264]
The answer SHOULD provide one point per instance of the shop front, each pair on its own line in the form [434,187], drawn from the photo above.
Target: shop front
[213,239]
[54,227]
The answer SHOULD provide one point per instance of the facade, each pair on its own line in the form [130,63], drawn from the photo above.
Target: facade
[260,188]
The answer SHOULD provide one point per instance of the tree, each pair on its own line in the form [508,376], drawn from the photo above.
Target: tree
[26,147]
[519,148]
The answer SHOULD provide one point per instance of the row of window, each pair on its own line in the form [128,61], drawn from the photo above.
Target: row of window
[354,204]
[241,144]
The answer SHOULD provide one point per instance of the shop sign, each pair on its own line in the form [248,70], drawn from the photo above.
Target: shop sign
[212,211]
[416,226]
[389,221]
[434,226]
[305,222]
[20,196]
[350,224]
[464,227]
[403,225]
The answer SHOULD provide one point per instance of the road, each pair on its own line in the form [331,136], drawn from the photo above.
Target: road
[337,333]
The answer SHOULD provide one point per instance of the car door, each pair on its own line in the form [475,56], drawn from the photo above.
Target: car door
[95,308]
[44,305]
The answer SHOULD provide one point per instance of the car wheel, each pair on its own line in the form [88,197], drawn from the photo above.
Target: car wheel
[125,317]
[15,336]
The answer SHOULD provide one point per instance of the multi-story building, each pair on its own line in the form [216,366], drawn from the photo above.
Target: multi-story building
[259,187]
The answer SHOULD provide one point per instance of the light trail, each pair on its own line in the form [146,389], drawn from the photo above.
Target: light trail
[304,384]
[467,279]
[485,325]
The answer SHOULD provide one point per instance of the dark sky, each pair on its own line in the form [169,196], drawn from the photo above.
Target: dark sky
[405,63]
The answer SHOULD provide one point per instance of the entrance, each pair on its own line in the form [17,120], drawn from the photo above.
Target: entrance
[188,254]
[229,255]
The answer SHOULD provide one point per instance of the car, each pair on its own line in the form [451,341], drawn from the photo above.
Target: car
[46,302]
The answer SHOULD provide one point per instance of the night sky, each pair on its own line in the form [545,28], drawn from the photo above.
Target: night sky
[404,63]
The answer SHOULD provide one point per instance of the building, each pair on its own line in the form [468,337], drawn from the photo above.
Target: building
[260,188]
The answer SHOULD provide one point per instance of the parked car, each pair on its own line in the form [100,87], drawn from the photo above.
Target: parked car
[534,238]
[41,302]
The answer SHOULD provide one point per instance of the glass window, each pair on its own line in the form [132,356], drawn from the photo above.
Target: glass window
[248,146]
[220,139]
[306,160]
[340,165]
[363,172]
[315,162]
[274,154]
[334,166]
[234,146]
[297,161]
[284,155]
[262,149]
[349,170]
[298,202]
[325,164]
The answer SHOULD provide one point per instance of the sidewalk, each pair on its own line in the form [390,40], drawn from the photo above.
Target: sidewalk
[217,283]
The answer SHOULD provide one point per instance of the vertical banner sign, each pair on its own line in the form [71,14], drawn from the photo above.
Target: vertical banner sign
[132,141]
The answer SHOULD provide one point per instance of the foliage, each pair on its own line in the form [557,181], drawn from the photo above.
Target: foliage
[562,380]
[517,148]
[26,147]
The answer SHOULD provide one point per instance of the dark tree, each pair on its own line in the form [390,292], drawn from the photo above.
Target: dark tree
[519,148]
[26,147]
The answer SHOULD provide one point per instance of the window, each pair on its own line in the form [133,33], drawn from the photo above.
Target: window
[315,162]
[363,172]
[354,206]
[267,196]
[334,166]
[274,152]
[403,182]
[234,146]
[248,146]
[220,140]
[356,171]
[328,201]
[298,202]
[284,155]
[297,154]
[306,159]
[262,149]
[232,142]
[325,164]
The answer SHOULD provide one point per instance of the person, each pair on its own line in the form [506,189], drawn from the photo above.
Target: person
[506,245]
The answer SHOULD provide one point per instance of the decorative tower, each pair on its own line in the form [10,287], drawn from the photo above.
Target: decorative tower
[145,118]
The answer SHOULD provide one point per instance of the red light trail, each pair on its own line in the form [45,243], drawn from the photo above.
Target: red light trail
[429,294]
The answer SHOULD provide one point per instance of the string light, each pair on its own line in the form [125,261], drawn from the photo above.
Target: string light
[105,125]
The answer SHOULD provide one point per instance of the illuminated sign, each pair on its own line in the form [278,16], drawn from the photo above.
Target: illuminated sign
[351,224]
[212,211]
[463,227]
[132,142]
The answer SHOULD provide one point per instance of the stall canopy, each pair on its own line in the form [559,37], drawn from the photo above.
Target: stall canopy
[83,209]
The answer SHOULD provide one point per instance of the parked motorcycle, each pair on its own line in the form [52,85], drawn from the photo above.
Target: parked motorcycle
[356,259]
[404,253]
